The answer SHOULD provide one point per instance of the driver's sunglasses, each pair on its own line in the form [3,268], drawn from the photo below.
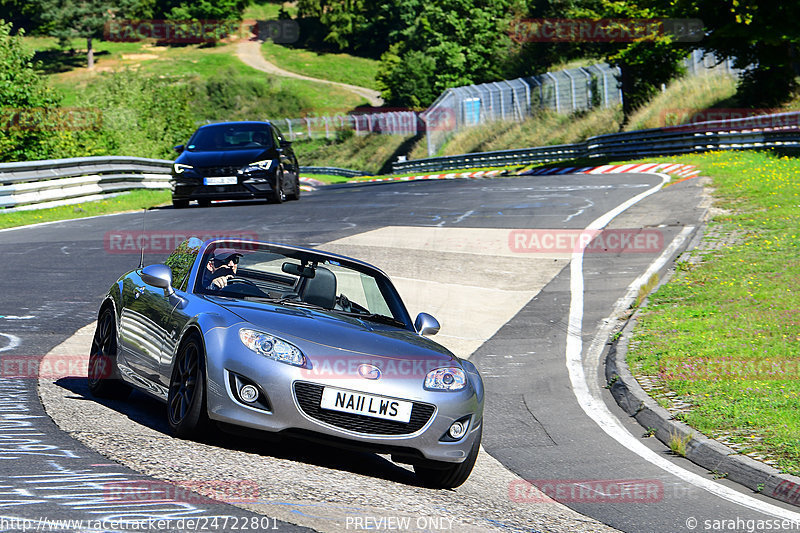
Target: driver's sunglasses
[235,260]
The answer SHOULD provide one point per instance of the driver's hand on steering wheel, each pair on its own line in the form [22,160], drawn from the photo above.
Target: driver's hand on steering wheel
[221,281]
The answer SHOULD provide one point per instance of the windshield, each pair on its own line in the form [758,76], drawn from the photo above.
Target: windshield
[230,137]
[297,278]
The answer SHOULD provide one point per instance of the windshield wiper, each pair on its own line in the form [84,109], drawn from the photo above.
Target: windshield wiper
[374,317]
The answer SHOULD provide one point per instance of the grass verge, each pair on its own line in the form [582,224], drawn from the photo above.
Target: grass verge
[128,201]
[344,68]
[723,334]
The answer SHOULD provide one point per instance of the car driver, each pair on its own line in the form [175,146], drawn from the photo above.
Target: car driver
[220,269]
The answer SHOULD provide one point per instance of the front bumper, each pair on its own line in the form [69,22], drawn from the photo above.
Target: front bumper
[284,407]
[188,186]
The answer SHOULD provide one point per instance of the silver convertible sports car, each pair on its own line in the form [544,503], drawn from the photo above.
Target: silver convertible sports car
[237,334]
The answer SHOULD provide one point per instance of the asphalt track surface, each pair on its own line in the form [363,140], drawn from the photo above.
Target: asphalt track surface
[54,276]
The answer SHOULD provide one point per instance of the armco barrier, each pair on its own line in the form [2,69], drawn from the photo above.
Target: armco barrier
[333,171]
[54,182]
[780,130]
[37,184]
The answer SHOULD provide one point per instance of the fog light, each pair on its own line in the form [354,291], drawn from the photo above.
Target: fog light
[457,430]
[249,394]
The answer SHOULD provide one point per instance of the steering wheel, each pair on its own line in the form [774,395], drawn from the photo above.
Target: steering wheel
[242,280]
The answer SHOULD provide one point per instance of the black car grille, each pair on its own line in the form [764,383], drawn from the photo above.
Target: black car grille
[309,395]
[211,172]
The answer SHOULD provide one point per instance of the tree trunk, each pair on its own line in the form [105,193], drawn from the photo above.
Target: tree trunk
[90,53]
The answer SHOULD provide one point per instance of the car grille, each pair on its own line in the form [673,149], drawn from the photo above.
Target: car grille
[309,395]
[210,172]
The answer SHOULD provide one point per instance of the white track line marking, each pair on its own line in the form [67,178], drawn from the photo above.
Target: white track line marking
[595,408]
[13,342]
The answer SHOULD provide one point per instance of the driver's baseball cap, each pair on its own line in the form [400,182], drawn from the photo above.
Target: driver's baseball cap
[223,255]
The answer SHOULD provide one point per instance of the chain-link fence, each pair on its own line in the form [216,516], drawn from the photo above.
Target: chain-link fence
[392,123]
[563,91]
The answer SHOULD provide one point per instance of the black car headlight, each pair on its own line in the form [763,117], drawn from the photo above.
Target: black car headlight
[180,168]
[257,166]
[450,378]
[272,347]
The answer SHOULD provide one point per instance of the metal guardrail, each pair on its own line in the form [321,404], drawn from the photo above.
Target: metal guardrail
[50,183]
[55,182]
[333,171]
[780,130]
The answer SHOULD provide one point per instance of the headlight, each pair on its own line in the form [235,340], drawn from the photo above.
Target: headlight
[257,165]
[179,168]
[272,347]
[446,379]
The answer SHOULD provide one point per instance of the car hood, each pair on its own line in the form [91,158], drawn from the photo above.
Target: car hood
[324,334]
[231,158]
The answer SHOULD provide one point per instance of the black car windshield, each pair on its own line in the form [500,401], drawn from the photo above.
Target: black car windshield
[258,271]
[230,137]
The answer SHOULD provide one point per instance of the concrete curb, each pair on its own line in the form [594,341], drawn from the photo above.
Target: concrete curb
[700,449]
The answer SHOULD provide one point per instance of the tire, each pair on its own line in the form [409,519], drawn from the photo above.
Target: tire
[186,401]
[180,204]
[296,194]
[102,372]
[278,196]
[439,475]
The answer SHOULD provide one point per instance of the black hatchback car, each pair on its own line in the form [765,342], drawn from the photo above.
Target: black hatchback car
[235,160]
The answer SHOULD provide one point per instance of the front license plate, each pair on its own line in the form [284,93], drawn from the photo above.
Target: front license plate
[221,180]
[366,404]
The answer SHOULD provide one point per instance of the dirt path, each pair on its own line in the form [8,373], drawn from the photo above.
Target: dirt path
[250,54]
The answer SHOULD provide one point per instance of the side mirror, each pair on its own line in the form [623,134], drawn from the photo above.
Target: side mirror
[425,324]
[158,276]
[178,148]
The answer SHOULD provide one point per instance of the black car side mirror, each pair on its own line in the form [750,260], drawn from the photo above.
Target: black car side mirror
[158,276]
[178,148]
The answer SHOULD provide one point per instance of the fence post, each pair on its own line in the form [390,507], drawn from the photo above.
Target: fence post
[289,125]
[327,133]
[571,88]
[555,83]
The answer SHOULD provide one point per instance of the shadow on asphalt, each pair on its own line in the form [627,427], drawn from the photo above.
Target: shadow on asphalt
[149,412]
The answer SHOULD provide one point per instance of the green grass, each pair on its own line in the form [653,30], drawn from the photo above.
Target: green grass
[129,201]
[368,153]
[267,9]
[344,68]
[193,62]
[715,332]
[544,128]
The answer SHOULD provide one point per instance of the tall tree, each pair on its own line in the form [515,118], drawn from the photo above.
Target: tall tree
[449,43]
[761,37]
[78,18]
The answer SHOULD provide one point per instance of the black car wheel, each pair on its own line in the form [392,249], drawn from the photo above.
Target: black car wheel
[296,194]
[440,475]
[102,360]
[180,204]
[278,195]
[186,401]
